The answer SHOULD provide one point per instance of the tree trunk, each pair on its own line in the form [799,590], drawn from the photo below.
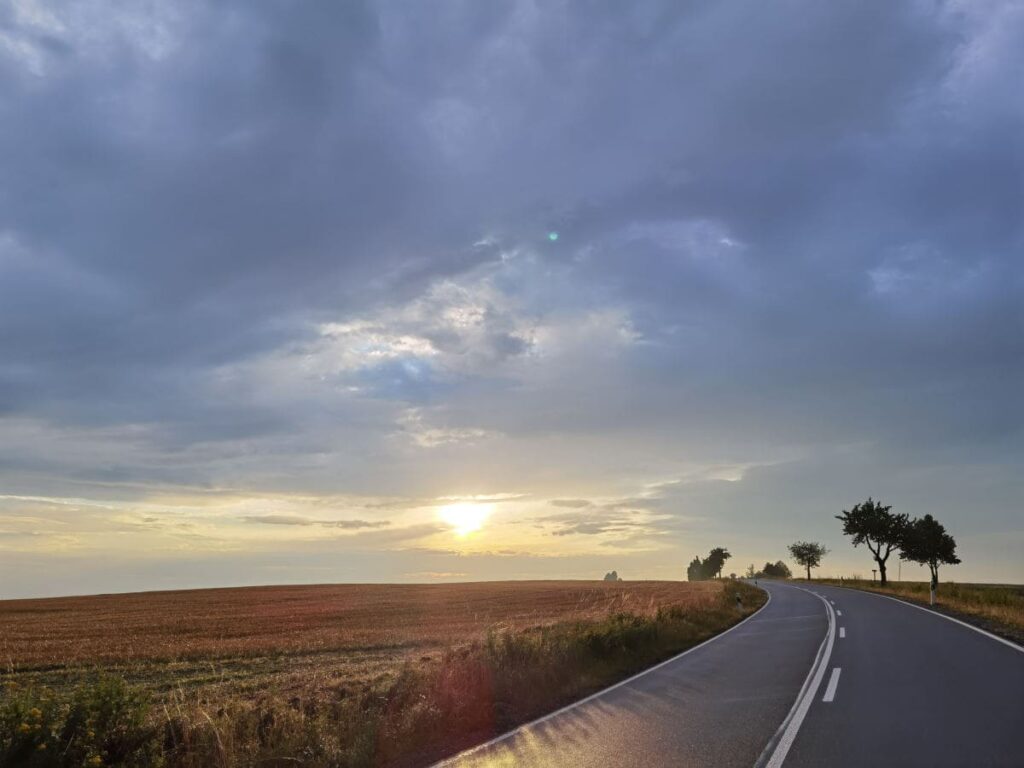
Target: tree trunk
[881,571]
[935,583]
[808,573]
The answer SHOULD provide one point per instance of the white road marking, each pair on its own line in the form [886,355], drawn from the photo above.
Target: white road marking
[839,613]
[833,682]
[832,601]
[842,632]
[979,630]
[508,734]
[785,735]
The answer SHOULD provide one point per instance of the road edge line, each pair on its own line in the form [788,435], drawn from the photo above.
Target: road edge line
[498,739]
[775,751]
[985,632]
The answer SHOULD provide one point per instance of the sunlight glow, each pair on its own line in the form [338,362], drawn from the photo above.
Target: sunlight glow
[465,517]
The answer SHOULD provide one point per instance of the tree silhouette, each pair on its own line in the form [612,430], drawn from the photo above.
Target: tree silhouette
[702,570]
[925,541]
[776,570]
[695,571]
[808,554]
[716,561]
[874,524]
[612,576]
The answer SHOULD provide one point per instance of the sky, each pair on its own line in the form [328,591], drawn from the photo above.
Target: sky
[403,291]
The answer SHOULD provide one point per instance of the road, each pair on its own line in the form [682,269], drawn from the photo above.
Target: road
[829,677]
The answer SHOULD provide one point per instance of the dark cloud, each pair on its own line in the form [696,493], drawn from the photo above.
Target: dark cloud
[306,250]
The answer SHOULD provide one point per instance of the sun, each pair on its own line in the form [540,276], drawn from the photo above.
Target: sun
[464,517]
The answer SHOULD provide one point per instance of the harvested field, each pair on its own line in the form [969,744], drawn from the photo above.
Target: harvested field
[247,638]
[346,676]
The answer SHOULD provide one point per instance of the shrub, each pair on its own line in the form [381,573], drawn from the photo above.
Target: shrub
[102,724]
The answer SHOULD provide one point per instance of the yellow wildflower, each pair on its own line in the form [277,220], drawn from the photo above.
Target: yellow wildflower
[24,728]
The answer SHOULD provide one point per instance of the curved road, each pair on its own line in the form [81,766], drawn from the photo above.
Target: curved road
[829,677]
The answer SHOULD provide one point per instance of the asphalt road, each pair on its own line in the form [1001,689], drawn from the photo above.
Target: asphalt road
[832,677]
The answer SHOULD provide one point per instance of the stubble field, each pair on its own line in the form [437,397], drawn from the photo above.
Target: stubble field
[329,675]
[309,636]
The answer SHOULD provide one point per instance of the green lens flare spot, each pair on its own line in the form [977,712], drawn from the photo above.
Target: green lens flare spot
[552,236]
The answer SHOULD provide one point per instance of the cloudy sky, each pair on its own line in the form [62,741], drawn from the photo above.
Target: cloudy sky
[406,291]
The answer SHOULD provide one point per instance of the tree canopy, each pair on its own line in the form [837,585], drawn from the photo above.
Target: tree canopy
[876,525]
[926,542]
[776,570]
[701,570]
[808,554]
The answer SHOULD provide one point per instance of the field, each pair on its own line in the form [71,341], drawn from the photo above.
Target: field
[315,635]
[347,675]
[998,608]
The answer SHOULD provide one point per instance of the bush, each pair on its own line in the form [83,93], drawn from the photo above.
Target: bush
[103,724]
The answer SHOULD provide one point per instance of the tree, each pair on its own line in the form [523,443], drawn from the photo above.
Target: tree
[612,576]
[695,571]
[925,541]
[751,573]
[874,524]
[716,561]
[701,570]
[777,570]
[808,554]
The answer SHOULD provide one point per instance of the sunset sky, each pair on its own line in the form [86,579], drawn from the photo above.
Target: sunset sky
[420,291]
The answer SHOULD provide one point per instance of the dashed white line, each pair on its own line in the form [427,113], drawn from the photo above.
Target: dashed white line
[775,752]
[842,632]
[839,613]
[833,682]
[971,627]
[832,601]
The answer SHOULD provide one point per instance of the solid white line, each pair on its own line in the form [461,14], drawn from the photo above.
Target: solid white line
[602,692]
[842,632]
[997,638]
[833,682]
[791,725]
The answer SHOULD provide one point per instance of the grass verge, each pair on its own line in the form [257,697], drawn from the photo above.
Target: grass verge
[424,712]
[996,608]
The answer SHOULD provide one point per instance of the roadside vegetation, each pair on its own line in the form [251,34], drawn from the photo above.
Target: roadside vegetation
[921,540]
[411,713]
[808,554]
[924,540]
[776,570]
[710,567]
